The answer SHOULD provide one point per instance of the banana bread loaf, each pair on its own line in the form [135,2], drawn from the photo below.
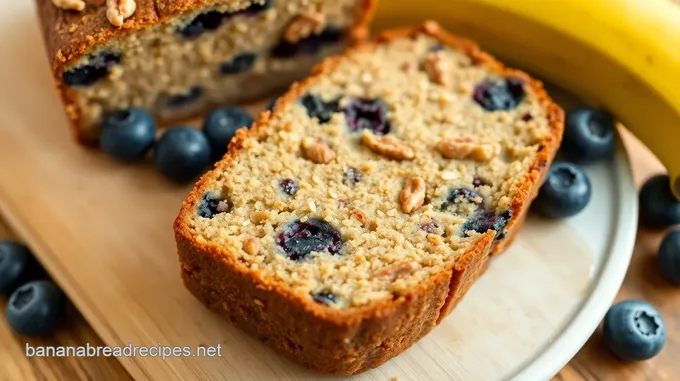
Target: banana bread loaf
[344,226]
[176,58]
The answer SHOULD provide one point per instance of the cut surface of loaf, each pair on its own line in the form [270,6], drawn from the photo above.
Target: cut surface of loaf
[179,58]
[343,227]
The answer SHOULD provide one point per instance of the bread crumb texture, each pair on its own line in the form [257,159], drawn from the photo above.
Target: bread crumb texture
[219,52]
[405,204]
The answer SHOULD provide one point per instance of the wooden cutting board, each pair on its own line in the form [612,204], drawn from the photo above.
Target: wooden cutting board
[104,231]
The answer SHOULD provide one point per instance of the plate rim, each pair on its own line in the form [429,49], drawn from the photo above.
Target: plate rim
[606,284]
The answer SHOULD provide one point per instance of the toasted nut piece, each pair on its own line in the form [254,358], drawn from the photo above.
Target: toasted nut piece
[252,245]
[396,270]
[70,5]
[260,216]
[463,148]
[304,25]
[388,146]
[412,196]
[437,67]
[118,10]
[317,151]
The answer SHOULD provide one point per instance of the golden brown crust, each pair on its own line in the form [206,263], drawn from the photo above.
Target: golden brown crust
[68,35]
[347,341]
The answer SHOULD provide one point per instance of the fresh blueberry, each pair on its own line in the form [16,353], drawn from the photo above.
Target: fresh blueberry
[16,264]
[221,126]
[588,135]
[128,134]
[368,114]
[484,220]
[499,95]
[202,23]
[310,45]
[317,108]
[212,205]
[289,186]
[634,330]
[34,308]
[238,64]
[314,235]
[182,153]
[98,67]
[353,176]
[256,8]
[658,207]
[566,191]
[325,297]
[459,194]
[180,100]
[669,257]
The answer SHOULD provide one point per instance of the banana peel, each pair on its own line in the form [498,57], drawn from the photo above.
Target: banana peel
[621,55]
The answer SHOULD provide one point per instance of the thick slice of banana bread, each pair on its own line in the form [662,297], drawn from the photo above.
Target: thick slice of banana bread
[344,226]
[176,58]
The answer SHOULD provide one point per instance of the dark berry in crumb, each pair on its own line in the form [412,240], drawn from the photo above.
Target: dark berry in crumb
[204,22]
[181,154]
[256,8]
[221,126]
[478,182]
[98,67]
[34,308]
[484,220]
[309,45]
[430,227]
[184,99]
[527,117]
[658,207]
[353,176]
[317,108]
[368,114]
[499,95]
[461,194]
[314,235]
[634,330]
[669,257]
[289,186]
[566,191]
[325,297]
[16,264]
[436,48]
[128,134]
[238,64]
[588,135]
[212,205]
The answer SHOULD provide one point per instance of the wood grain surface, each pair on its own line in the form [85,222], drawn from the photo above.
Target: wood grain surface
[16,366]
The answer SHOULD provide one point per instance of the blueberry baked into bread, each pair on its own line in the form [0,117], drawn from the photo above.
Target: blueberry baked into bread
[344,226]
[177,58]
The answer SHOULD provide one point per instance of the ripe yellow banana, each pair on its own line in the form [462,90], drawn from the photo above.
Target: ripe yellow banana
[623,55]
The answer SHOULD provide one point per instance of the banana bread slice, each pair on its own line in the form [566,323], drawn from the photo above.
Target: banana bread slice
[177,58]
[348,223]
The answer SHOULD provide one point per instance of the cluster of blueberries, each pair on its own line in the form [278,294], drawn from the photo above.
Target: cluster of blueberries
[35,303]
[633,329]
[181,153]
